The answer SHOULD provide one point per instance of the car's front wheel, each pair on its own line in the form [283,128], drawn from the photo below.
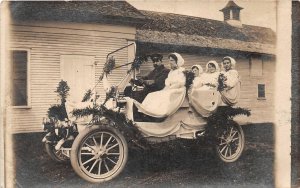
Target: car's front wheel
[99,153]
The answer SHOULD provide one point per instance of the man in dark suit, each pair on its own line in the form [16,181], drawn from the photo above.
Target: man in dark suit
[154,81]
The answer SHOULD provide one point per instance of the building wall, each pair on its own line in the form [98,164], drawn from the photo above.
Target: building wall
[262,109]
[46,42]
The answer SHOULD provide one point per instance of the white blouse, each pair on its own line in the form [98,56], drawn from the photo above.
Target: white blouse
[207,79]
[176,79]
[232,78]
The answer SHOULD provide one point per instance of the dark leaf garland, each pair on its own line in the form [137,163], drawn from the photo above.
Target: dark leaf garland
[62,90]
[79,113]
[58,111]
[222,115]
[221,82]
[137,63]
[87,96]
[190,76]
[108,66]
[130,132]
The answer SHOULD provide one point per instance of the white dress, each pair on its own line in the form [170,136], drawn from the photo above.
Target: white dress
[231,94]
[167,101]
[207,81]
[204,96]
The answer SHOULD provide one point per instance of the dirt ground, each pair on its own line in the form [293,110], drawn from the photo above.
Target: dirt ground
[175,165]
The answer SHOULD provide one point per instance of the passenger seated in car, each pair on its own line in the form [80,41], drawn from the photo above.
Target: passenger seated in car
[198,71]
[231,91]
[203,96]
[209,79]
[167,101]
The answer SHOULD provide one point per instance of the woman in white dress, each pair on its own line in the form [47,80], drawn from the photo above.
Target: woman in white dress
[167,101]
[204,96]
[209,79]
[198,71]
[231,92]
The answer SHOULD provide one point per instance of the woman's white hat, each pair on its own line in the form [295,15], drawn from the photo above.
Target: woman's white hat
[199,68]
[232,61]
[214,63]
[180,60]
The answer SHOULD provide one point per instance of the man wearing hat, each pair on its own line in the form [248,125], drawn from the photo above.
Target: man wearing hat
[155,80]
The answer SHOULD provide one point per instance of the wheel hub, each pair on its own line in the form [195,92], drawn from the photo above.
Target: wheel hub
[100,153]
[228,140]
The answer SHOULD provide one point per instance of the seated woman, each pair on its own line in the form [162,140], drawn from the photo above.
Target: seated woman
[204,97]
[209,79]
[231,85]
[198,71]
[165,102]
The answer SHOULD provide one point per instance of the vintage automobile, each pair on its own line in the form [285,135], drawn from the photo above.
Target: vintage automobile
[99,151]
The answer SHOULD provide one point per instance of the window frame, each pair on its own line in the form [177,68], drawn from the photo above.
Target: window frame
[261,98]
[27,80]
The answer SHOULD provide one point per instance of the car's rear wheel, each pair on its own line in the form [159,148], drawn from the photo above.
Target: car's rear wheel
[56,155]
[230,142]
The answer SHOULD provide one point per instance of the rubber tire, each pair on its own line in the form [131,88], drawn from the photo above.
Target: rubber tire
[51,152]
[78,142]
[241,133]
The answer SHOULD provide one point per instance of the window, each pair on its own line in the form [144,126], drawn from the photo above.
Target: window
[19,77]
[236,14]
[261,94]
[226,15]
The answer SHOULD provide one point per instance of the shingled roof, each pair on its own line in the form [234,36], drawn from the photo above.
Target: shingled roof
[76,11]
[178,29]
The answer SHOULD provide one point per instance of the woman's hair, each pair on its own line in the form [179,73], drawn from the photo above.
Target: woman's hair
[232,61]
[173,56]
[212,65]
[194,67]
[226,58]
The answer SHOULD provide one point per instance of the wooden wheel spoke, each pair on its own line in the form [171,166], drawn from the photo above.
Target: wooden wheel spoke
[230,131]
[105,164]
[88,161]
[113,153]
[223,148]
[112,146]
[234,139]
[96,144]
[101,139]
[107,141]
[111,160]
[89,146]
[222,143]
[93,166]
[226,151]
[99,167]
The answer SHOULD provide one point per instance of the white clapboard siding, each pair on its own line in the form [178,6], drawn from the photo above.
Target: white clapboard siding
[262,110]
[47,42]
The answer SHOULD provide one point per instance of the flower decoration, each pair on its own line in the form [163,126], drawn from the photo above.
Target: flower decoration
[108,66]
[222,82]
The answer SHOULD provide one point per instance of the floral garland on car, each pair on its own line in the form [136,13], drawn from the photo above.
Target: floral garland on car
[221,82]
[58,111]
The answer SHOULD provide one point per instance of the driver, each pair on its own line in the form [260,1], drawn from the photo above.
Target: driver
[155,80]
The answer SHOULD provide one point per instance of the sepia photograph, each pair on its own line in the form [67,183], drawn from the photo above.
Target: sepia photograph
[140,93]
